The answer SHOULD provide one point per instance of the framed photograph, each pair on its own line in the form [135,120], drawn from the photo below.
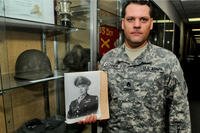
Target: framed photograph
[83,95]
[33,10]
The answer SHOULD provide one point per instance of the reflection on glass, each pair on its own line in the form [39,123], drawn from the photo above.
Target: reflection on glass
[163,30]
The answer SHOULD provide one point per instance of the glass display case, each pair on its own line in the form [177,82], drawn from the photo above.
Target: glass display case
[68,48]
[164,31]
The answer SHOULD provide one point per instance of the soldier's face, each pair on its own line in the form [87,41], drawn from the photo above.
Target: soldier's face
[83,88]
[137,24]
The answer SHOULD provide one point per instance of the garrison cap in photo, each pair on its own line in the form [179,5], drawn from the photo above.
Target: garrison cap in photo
[82,80]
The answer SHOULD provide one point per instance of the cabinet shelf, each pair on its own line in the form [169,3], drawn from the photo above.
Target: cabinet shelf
[9,82]
[32,26]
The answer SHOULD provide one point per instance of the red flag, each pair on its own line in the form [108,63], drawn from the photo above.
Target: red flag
[108,36]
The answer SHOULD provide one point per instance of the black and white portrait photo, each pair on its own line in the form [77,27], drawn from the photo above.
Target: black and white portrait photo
[82,90]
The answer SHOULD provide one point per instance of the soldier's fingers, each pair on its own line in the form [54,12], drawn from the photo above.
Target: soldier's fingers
[89,119]
[92,118]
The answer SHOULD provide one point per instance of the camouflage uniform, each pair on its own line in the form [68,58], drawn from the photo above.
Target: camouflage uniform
[147,93]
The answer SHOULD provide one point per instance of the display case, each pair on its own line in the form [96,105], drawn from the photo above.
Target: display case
[23,100]
[70,42]
[165,32]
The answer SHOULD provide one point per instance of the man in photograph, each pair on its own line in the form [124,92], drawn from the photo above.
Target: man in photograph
[85,104]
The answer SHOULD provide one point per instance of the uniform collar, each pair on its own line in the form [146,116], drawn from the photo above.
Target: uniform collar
[141,59]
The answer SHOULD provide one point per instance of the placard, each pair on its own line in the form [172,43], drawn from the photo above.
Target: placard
[33,10]
[1,8]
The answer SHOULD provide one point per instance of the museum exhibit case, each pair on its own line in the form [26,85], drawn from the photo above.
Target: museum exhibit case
[40,41]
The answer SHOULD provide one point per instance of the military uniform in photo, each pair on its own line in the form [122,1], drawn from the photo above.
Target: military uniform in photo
[85,104]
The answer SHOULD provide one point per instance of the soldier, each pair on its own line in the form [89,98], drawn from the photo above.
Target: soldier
[147,89]
[85,104]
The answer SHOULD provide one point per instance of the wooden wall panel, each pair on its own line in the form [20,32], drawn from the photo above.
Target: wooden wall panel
[2,117]
[17,42]
[52,98]
[27,104]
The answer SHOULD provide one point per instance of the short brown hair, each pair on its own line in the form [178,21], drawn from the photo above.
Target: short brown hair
[139,2]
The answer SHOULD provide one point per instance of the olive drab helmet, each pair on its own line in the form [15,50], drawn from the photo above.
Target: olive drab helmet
[77,59]
[32,64]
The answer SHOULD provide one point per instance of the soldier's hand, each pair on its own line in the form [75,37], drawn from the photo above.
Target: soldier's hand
[89,119]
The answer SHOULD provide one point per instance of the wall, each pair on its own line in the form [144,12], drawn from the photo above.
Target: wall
[2,118]
[169,9]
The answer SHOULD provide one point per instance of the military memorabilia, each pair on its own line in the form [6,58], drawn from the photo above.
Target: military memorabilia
[108,37]
[32,64]
[34,10]
[64,12]
[86,93]
[77,59]
[50,125]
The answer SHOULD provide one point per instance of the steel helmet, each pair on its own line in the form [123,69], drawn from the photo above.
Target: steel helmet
[77,59]
[32,64]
